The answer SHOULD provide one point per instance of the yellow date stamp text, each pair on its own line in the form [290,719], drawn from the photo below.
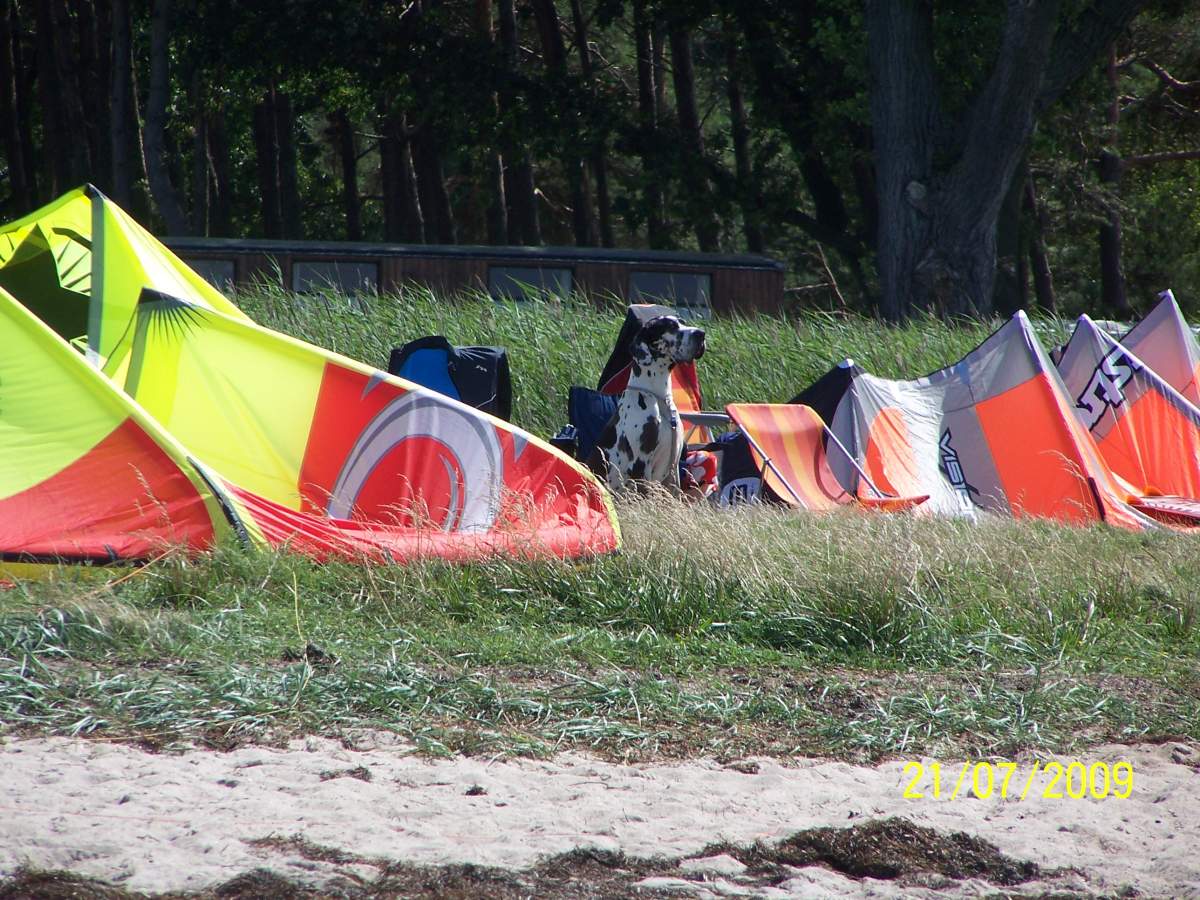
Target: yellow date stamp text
[1050,781]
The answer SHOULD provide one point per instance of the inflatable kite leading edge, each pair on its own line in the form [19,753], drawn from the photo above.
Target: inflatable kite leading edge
[140,410]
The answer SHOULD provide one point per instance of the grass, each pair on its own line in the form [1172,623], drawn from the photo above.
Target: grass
[714,632]
[723,633]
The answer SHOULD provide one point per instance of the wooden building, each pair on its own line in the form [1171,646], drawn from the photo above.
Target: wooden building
[700,283]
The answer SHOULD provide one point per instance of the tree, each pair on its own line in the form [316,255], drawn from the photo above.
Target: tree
[1043,281]
[23,189]
[942,180]
[165,197]
[1166,110]
[808,77]
[649,82]
[700,194]
[747,188]
[497,212]
[66,157]
[658,123]
[402,218]
[554,56]
[524,224]
[1112,279]
[289,182]
[599,154]
[266,156]
[341,130]
[125,137]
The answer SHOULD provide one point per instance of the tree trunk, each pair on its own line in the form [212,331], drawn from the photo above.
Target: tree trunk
[289,191]
[497,209]
[71,105]
[937,238]
[266,152]
[554,54]
[904,113]
[163,191]
[599,160]
[123,136]
[100,97]
[598,156]
[583,212]
[92,78]
[25,66]
[748,195]
[431,183]
[1011,291]
[524,223]
[56,150]
[221,212]
[201,195]
[10,124]
[402,215]
[1112,278]
[493,168]
[942,184]
[1039,261]
[658,59]
[867,190]
[389,179]
[648,143]
[343,134]
[413,228]
[700,194]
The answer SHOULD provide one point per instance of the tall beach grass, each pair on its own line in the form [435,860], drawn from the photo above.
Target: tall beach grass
[713,632]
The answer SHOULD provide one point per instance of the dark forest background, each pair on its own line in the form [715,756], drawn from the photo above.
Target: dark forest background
[967,158]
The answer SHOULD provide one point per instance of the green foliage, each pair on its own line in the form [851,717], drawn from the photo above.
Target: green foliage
[801,67]
[1159,204]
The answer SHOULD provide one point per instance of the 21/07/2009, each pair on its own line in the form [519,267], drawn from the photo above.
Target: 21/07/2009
[1074,781]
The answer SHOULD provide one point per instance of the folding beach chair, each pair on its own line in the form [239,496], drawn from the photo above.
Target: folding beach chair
[788,442]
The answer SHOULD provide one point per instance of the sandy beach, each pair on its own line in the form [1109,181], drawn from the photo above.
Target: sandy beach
[154,822]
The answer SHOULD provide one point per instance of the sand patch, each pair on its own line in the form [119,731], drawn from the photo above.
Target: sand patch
[318,811]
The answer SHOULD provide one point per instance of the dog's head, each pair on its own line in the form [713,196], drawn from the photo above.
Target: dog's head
[664,339]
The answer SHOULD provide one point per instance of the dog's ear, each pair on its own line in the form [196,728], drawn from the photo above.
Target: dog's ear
[638,350]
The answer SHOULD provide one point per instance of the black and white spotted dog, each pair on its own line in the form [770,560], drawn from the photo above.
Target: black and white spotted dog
[644,440]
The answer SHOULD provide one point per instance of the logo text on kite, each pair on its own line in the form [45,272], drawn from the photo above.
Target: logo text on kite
[1105,390]
[954,471]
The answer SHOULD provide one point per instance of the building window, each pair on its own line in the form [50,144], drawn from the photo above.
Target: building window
[217,272]
[524,282]
[350,278]
[689,293]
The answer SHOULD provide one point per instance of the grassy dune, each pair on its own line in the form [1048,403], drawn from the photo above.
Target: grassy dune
[755,631]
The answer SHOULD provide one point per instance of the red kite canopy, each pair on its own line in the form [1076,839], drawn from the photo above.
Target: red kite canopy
[996,431]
